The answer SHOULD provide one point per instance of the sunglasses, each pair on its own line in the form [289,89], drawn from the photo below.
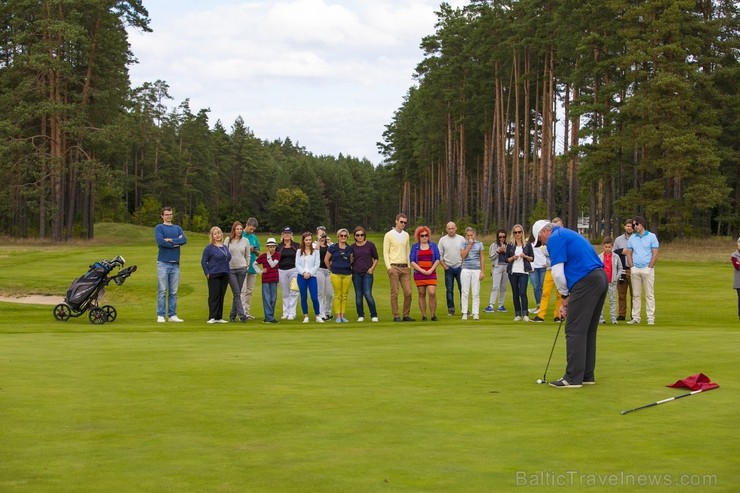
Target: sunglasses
[502,237]
[402,222]
[424,236]
[343,236]
[517,232]
[359,235]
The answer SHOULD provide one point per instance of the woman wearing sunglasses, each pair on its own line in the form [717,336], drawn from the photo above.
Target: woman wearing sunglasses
[424,260]
[339,261]
[519,255]
[365,255]
[323,277]
[497,254]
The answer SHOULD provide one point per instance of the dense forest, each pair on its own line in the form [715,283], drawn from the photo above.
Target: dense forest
[521,109]
[601,108]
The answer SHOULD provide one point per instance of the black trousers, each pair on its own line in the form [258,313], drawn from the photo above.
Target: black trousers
[217,284]
[584,309]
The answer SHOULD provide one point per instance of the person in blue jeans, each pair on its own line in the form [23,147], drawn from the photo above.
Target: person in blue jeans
[363,267]
[169,237]
[267,265]
[307,262]
[519,255]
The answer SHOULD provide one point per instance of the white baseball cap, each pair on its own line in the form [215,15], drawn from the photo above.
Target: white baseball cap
[536,228]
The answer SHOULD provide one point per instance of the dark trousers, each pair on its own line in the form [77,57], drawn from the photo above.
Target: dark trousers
[452,274]
[217,285]
[519,291]
[584,309]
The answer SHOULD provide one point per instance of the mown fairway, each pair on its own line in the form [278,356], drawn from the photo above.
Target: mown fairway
[450,406]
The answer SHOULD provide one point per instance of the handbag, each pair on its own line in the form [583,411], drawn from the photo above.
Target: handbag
[294,284]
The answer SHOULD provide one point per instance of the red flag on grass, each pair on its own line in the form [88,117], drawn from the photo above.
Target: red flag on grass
[695,382]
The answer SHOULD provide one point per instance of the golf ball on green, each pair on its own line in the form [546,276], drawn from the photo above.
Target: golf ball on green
[539,380]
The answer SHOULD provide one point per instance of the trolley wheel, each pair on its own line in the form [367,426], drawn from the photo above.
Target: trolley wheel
[97,316]
[110,313]
[62,312]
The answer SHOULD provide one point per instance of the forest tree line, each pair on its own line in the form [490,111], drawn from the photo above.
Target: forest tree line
[522,109]
[601,108]
[81,146]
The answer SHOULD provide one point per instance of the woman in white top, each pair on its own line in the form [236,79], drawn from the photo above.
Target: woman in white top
[307,262]
[519,255]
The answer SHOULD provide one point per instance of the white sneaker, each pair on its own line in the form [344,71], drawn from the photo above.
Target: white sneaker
[319,319]
[525,318]
[374,319]
[284,317]
[222,321]
[534,310]
[211,321]
[464,316]
[651,322]
[291,317]
[476,317]
[175,318]
[305,319]
[517,319]
[633,322]
[160,320]
[361,319]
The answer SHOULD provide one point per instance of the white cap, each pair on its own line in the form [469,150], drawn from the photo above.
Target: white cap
[271,241]
[536,228]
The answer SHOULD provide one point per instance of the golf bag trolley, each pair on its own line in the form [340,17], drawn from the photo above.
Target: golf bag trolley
[82,295]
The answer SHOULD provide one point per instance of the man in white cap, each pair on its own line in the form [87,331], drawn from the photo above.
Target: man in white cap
[579,276]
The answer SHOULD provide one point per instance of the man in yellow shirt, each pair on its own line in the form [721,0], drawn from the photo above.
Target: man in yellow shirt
[396,250]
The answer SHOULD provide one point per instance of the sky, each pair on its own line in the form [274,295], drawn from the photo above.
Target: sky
[329,74]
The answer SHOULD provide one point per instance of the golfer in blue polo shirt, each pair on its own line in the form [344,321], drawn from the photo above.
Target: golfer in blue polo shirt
[579,276]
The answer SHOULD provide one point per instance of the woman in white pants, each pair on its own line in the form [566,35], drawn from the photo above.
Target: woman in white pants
[472,273]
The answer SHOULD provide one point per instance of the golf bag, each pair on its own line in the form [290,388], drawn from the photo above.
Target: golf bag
[84,292]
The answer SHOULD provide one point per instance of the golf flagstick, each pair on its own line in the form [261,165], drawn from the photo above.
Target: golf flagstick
[668,400]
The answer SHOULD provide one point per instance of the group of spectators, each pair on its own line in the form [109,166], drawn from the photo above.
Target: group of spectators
[318,271]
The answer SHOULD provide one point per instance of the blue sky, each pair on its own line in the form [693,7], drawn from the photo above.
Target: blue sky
[328,74]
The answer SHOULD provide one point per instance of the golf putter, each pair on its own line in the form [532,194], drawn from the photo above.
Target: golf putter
[544,376]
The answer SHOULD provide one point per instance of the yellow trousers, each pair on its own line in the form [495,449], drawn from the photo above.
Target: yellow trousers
[548,286]
[340,283]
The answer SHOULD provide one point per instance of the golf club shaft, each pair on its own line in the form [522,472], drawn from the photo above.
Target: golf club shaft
[544,376]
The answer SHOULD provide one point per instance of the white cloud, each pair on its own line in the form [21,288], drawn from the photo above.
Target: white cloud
[325,73]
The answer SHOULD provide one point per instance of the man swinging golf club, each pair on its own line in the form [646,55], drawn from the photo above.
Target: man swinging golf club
[579,276]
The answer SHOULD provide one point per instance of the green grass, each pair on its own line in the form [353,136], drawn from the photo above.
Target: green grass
[447,407]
